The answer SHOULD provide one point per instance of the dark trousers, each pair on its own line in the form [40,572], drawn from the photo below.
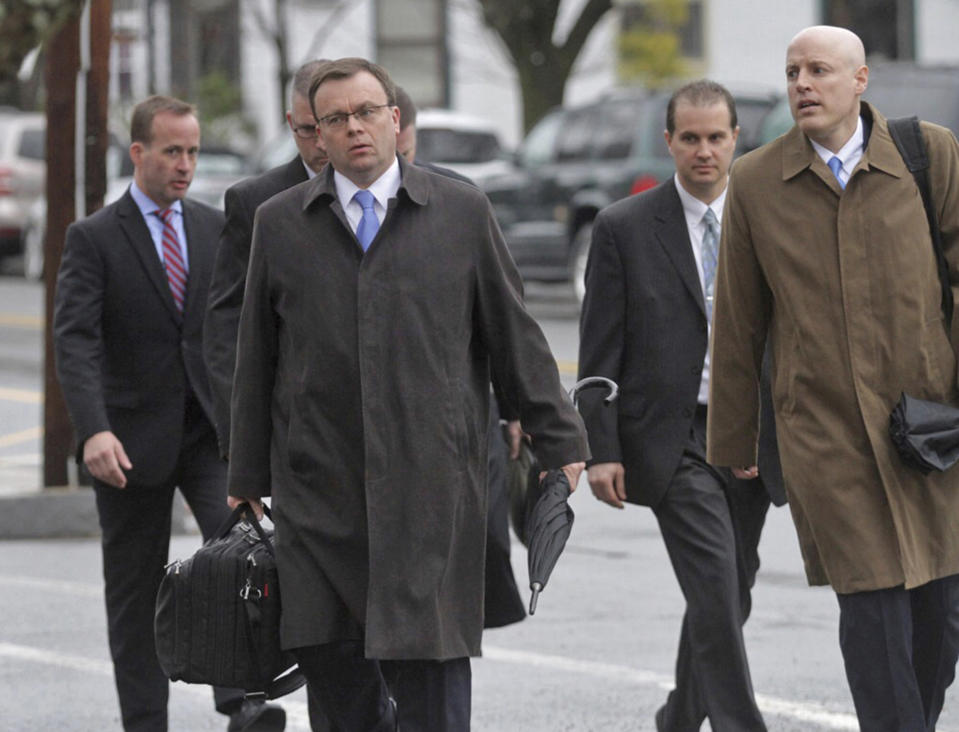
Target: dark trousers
[711,524]
[900,648]
[135,523]
[358,693]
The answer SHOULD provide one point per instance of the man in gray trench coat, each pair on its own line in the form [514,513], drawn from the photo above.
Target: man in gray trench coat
[378,298]
[836,268]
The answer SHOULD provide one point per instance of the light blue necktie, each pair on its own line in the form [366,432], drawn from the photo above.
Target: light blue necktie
[835,165]
[709,252]
[369,224]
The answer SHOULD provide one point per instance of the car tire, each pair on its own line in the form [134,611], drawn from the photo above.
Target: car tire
[33,253]
[579,254]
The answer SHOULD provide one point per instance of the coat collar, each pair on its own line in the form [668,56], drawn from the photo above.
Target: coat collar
[414,185]
[880,151]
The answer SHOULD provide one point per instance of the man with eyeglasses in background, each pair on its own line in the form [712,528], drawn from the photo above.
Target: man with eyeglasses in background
[379,299]
[233,257]
[233,251]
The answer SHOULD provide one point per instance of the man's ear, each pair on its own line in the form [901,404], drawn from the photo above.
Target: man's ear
[862,79]
[136,152]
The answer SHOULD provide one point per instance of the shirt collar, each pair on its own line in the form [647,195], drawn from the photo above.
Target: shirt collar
[383,188]
[147,205]
[696,209]
[849,154]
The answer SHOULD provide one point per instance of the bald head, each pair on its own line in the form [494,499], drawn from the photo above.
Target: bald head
[843,42]
[826,75]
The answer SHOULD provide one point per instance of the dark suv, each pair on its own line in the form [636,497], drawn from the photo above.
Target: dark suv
[897,89]
[577,160]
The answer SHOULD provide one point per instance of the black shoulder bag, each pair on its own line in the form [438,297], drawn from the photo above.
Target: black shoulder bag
[926,434]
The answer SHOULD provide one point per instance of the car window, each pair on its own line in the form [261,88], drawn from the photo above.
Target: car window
[31,144]
[932,99]
[617,126]
[540,144]
[575,138]
[455,146]
[750,113]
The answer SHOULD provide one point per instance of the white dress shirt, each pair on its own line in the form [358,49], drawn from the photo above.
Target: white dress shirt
[849,154]
[383,189]
[695,210]
[155,224]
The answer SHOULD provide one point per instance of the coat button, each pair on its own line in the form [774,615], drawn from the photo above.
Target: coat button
[687,412]
[696,370]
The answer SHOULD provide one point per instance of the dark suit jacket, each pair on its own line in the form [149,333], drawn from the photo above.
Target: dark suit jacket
[229,281]
[125,356]
[644,326]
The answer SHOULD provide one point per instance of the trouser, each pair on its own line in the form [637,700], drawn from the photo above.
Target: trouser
[135,524]
[900,648]
[711,524]
[358,693]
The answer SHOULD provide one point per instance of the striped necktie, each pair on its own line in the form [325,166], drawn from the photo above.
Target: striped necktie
[835,165]
[173,259]
[709,252]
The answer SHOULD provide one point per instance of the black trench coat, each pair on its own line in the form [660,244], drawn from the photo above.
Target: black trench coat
[360,404]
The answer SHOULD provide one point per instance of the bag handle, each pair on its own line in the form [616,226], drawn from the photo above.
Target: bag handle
[245,512]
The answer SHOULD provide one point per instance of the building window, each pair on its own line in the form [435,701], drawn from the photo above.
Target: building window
[660,39]
[886,27]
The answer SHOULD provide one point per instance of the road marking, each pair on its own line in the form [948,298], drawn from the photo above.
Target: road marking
[567,367]
[25,396]
[15,438]
[65,588]
[30,322]
[297,714]
[801,711]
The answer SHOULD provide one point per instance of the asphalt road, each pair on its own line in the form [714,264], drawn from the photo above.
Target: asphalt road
[597,656]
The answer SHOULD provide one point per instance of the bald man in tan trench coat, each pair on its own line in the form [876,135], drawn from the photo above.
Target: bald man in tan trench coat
[839,274]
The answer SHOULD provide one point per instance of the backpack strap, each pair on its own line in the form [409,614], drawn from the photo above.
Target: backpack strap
[907,135]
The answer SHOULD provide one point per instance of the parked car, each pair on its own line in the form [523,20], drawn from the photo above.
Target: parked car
[464,143]
[897,89]
[576,161]
[22,169]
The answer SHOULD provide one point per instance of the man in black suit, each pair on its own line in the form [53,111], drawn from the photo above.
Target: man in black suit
[233,253]
[645,324]
[131,294]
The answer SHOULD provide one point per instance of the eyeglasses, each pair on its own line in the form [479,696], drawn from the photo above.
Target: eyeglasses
[307,132]
[364,115]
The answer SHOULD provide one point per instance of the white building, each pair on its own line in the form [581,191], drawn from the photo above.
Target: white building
[440,49]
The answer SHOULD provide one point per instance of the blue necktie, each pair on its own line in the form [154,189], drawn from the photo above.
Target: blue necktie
[835,165]
[709,252]
[369,224]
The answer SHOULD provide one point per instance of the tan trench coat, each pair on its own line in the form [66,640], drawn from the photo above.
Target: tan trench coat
[845,285]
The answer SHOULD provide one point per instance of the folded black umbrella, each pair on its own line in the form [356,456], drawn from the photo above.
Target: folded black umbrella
[926,434]
[548,525]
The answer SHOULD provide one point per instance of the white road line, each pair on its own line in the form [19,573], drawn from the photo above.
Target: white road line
[801,711]
[24,396]
[297,714]
[64,588]
[16,438]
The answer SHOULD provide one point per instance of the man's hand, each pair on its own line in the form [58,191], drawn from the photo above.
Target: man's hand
[608,481]
[747,473]
[233,502]
[572,473]
[515,432]
[104,457]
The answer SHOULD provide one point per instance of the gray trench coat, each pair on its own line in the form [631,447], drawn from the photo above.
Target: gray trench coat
[360,404]
[845,284]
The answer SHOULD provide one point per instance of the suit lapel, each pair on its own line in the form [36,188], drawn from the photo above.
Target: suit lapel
[673,236]
[138,235]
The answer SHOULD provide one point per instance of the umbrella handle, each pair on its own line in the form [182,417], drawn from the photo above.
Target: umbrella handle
[536,587]
[591,381]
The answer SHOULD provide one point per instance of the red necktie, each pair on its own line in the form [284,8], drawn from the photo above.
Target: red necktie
[173,259]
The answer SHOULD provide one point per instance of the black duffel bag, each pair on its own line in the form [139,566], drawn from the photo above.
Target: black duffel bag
[218,613]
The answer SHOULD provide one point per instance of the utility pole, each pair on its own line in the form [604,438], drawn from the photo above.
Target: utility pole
[77,67]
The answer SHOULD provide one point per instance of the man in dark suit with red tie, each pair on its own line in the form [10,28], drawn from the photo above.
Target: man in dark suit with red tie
[128,323]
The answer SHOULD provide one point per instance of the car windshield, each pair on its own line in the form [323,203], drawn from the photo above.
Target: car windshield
[456,146]
[217,163]
[31,144]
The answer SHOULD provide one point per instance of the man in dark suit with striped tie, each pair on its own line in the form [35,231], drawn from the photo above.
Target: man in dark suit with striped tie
[128,322]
